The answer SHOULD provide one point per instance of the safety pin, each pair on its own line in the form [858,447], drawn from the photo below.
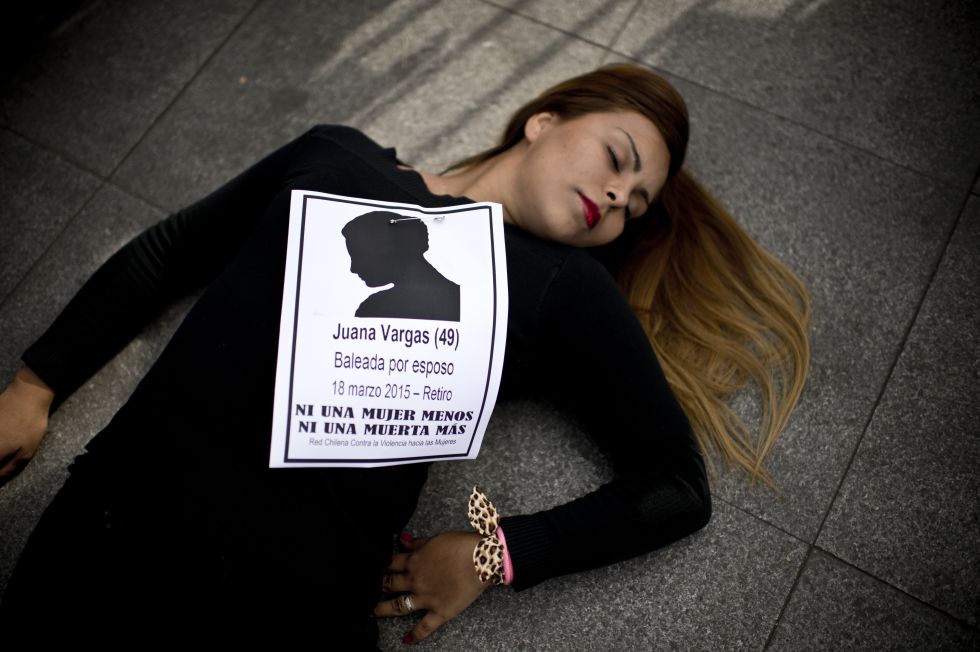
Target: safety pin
[437,218]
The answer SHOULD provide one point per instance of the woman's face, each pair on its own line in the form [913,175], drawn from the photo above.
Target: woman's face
[581,179]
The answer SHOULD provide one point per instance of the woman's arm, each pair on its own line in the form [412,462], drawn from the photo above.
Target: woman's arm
[172,258]
[600,364]
[594,356]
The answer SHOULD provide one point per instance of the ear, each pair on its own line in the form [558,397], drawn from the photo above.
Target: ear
[537,124]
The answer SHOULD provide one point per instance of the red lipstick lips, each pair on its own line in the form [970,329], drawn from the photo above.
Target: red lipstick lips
[592,214]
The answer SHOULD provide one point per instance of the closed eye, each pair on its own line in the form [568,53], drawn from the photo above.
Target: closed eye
[616,166]
[613,158]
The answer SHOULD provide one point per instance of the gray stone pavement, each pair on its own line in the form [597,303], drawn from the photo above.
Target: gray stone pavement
[842,134]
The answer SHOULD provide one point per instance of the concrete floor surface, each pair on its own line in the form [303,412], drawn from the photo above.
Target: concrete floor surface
[843,135]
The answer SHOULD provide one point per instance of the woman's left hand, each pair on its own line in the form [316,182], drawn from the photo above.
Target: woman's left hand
[438,574]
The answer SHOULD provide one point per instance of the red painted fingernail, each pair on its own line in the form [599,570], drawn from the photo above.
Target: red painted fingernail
[406,538]
[408,639]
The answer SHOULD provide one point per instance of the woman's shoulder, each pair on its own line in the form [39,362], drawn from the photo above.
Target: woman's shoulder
[525,249]
[337,146]
[540,270]
[337,132]
[548,251]
[348,137]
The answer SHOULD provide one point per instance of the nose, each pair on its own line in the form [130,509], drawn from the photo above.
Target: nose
[616,195]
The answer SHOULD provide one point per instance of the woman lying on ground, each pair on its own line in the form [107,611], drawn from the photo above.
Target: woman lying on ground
[635,301]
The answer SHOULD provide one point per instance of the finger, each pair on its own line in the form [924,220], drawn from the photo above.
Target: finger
[8,459]
[399,563]
[395,583]
[429,623]
[10,471]
[394,607]
[386,609]
[414,544]
[11,466]
[405,540]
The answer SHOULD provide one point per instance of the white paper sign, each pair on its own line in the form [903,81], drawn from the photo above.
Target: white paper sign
[391,343]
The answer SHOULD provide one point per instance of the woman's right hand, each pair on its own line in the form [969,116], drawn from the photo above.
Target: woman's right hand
[24,407]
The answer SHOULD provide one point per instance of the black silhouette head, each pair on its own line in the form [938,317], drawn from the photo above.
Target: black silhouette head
[380,251]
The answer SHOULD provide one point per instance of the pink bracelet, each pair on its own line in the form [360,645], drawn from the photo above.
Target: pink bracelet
[508,567]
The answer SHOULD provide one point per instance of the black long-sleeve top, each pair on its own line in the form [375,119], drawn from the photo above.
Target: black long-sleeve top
[209,396]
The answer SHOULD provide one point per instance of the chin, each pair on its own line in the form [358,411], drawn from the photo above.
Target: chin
[573,233]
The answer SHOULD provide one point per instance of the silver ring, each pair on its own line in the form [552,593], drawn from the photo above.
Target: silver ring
[407,605]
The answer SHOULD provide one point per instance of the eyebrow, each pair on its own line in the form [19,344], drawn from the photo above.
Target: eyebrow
[636,154]
[637,165]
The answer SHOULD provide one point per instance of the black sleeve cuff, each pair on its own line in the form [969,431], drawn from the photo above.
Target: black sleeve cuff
[531,546]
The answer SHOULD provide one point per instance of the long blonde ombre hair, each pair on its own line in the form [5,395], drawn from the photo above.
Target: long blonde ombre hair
[717,307]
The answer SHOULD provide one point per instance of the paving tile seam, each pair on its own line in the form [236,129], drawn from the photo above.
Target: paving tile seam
[51,242]
[539,59]
[63,156]
[626,21]
[898,356]
[133,195]
[180,93]
[799,574]
[904,592]
[69,160]
[812,546]
[108,178]
[85,10]
[104,183]
[791,121]
[789,597]
[762,520]
[542,23]
[799,570]
[864,430]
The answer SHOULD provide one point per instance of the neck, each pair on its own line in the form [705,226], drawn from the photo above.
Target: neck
[491,180]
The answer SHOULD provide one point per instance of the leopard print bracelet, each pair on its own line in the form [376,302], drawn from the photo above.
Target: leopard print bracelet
[488,555]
